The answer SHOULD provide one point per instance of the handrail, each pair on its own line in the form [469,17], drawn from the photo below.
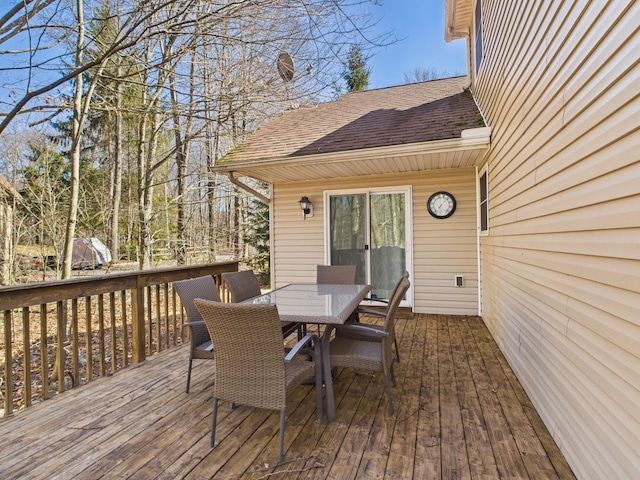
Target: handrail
[88,326]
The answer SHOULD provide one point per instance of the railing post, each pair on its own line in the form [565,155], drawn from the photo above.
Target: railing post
[137,322]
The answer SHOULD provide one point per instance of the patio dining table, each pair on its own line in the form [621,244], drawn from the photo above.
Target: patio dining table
[320,304]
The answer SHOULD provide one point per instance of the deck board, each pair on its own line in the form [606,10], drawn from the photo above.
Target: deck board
[428,439]
[459,413]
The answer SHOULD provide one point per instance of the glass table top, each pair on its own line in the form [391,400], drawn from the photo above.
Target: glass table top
[313,303]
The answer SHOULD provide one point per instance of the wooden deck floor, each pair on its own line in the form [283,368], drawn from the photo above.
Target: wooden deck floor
[460,413]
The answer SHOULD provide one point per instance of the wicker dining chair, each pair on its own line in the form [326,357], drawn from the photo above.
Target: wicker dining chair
[370,355]
[251,366]
[336,274]
[377,313]
[201,346]
[244,285]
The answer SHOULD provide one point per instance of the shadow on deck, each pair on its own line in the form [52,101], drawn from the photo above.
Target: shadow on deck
[460,413]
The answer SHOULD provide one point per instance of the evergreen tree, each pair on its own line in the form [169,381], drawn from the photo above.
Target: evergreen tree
[258,235]
[356,73]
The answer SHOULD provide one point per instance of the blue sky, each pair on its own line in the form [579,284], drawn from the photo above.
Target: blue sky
[419,26]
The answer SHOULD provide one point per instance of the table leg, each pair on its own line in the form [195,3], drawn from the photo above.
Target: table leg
[328,380]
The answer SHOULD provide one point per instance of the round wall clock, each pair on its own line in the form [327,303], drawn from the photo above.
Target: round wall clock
[441,205]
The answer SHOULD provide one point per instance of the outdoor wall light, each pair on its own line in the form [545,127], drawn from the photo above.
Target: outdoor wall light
[306,206]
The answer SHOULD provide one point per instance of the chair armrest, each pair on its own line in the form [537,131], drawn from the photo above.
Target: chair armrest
[300,345]
[371,312]
[363,328]
[198,332]
[206,347]
[196,323]
[381,300]
[197,327]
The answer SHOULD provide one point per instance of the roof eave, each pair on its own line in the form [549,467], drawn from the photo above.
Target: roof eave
[457,19]
[470,139]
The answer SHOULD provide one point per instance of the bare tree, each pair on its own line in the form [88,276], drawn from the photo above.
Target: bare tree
[196,76]
[424,74]
[75,149]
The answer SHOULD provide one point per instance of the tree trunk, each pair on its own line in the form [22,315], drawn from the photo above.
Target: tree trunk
[142,181]
[116,187]
[181,144]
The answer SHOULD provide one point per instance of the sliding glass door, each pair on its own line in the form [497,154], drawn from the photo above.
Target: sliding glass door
[388,252]
[347,233]
[370,229]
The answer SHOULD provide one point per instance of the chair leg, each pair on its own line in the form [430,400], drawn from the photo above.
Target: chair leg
[213,421]
[388,388]
[281,456]
[318,365]
[302,330]
[395,341]
[189,374]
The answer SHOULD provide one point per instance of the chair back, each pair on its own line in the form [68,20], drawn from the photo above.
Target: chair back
[242,285]
[336,274]
[394,303]
[397,286]
[249,353]
[389,324]
[192,288]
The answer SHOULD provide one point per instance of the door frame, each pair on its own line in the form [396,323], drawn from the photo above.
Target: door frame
[408,212]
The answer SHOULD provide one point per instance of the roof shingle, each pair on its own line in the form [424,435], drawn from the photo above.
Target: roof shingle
[413,113]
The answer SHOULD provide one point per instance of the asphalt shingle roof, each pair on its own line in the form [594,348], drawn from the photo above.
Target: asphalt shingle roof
[413,113]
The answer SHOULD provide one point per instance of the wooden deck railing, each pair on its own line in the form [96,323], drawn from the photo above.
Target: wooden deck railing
[62,334]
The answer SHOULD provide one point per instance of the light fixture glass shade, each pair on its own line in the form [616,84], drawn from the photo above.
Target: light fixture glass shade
[305,206]
[304,203]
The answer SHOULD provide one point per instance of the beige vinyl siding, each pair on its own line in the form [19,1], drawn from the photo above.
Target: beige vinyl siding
[441,248]
[560,86]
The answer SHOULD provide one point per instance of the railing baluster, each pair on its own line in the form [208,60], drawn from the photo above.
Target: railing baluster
[167,340]
[75,343]
[158,321]
[137,327]
[44,351]
[61,313]
[88,339]
[101,334]
[176,334]
[114,335]
[149,320]
[125,332]
[8,362]
[26,364]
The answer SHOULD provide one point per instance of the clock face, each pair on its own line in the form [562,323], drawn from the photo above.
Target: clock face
[441,205]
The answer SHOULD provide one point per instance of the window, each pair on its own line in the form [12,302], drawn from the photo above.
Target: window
[478,33]
[484,201]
